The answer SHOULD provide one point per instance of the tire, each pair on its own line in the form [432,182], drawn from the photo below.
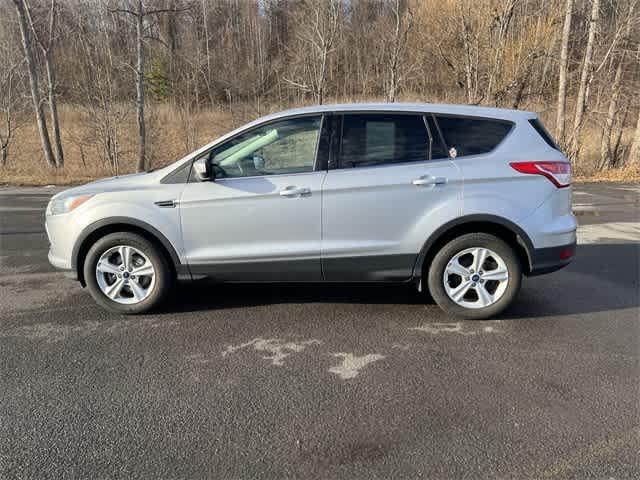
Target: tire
[478,295]
[135,294]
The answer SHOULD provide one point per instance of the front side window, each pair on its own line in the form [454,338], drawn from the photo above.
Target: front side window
[284,147]
[472,136]
[375,139]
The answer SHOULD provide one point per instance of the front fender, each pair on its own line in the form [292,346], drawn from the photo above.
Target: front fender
[128,221]
[139,211]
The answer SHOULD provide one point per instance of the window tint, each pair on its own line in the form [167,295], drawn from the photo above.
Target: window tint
[472,136]
[282,147]
[375,139]
[546,136]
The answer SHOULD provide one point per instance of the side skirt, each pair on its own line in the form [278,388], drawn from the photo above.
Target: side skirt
[379,268]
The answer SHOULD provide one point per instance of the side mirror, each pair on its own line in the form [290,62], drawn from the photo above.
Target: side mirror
[203,170]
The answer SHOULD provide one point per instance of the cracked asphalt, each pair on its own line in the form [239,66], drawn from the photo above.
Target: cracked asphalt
[340,381]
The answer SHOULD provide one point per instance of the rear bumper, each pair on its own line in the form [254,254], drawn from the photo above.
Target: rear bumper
[547,260]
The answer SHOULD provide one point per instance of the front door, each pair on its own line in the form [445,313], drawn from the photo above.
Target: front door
[260,220]
[389,186]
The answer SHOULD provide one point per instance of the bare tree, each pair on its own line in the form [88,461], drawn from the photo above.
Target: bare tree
[609,154]
[96,85]
[10,107]
[46,46]
[207,41]
[502,22]
[563,68]
[139,12]
[318,32]
[634,152]
[399,37]
[27,46]
[584,78]
[471,52]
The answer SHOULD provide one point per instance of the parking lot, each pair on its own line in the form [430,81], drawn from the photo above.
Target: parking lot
[340,381]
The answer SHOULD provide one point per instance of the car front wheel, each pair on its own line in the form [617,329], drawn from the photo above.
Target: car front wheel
[126,273]
[475,276]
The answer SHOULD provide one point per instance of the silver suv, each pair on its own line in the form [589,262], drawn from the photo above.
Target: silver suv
[457,200]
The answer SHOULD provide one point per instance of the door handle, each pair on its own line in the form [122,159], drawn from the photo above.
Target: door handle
[293,191]
[429,180]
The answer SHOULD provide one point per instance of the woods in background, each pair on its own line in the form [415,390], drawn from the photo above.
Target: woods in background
[111,64]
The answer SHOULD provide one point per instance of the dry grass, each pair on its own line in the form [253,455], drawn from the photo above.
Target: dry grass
[174,132]
[630,174]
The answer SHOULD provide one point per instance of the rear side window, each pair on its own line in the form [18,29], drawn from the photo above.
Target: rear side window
[472,136]
[376,139]
[546,136]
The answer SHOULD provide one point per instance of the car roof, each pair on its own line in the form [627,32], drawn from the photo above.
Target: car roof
[464,110]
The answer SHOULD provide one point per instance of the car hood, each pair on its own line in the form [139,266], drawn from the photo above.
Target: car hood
[111,184]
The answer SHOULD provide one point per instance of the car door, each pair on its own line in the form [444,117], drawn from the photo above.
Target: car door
[259,220]
[389,186]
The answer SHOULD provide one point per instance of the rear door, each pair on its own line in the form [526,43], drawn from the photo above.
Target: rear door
[389,186]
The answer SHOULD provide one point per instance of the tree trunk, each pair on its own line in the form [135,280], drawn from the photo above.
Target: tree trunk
[562,79]
[531,60]
[468,74]
[33,83]
[393,67]
[322,77]
[205,24]
[607,155]
[142,137]
[5,153]
[53,108]
[634,152]
[504,23]
[542,84]
[586,72]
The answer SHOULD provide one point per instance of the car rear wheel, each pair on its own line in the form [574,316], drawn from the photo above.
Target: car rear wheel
[126,273]
[475,276]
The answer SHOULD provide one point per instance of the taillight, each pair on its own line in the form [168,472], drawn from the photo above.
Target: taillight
[559,173]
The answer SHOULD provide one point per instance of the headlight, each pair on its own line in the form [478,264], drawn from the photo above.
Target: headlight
[66,204]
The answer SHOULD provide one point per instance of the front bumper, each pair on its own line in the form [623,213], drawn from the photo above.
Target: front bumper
[547,260]
[61,264]
[60,233]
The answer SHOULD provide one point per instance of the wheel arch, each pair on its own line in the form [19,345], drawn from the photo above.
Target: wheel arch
[99,229]
[502,228]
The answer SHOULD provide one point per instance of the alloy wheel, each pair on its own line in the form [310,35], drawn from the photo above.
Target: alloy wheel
[476,277]
[125,274]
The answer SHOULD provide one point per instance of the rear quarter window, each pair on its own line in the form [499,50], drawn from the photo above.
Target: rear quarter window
[472,136]
[546,136]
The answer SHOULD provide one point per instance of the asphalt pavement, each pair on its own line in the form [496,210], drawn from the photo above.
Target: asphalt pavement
[340,381]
